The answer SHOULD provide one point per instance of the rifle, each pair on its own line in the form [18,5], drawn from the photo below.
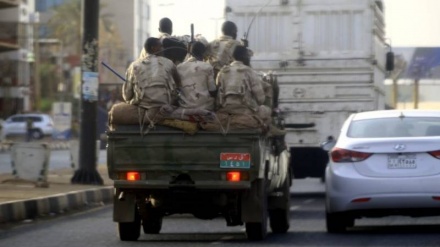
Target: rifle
[192,32]
[246,34]
[114,72]
[192,39]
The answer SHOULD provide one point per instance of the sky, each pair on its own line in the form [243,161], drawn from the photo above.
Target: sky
[412,23]
[207,17]
[409,23]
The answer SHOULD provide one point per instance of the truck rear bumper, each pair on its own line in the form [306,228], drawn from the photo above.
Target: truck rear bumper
[203,185]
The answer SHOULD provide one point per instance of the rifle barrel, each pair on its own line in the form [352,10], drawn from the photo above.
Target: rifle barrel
[112,70]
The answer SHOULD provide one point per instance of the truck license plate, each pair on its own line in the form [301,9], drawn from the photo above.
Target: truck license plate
[235,160]
[402,161]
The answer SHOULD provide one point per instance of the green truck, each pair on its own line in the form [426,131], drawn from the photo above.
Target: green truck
[239,176]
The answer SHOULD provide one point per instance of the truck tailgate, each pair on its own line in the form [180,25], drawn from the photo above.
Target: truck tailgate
[166,157]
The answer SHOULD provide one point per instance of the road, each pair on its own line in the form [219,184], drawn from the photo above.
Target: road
[58,159]
[95,228]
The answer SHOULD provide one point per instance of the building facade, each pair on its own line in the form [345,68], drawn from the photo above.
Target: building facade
[16,56]
[18,18]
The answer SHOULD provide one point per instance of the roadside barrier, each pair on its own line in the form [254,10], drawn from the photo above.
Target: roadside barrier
[30,162]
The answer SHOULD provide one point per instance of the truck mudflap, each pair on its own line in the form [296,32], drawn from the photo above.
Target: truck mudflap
[124,206]
[308,162]
[254,202]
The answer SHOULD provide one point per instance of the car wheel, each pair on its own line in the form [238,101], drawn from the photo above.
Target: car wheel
[338,222]
[37,134]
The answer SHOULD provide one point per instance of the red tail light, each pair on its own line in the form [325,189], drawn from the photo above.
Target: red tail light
[359,200]
[342,155]
[133,176]
[435,154]
[233,176]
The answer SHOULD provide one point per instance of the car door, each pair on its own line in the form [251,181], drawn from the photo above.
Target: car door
[17,125]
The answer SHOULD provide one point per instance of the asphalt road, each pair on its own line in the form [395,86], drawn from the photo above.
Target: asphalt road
[95,228]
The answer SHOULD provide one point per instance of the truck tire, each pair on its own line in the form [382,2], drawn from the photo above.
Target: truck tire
[151,221]
[279,217]
[338,222]
[130,231]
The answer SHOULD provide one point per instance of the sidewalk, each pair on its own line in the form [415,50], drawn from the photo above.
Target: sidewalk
[21,200]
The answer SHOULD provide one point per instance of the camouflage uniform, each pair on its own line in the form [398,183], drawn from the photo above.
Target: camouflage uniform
[149,82]
[197,80]
[241,91]
[219,52]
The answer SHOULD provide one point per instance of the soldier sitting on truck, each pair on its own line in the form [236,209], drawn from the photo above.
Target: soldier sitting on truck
[165,32]
[198,85]
[151,81]
[219,52]
[241,91]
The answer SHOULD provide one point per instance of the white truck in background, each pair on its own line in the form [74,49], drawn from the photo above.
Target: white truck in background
[329,57]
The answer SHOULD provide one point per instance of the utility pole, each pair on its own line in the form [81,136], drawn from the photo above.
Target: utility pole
[418,73]
[399,69]
[87,172]
[416,93]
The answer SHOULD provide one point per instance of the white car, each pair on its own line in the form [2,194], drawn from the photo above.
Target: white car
[384,163]
[16,125]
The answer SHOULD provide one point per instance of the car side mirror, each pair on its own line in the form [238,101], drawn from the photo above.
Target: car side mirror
[390,61]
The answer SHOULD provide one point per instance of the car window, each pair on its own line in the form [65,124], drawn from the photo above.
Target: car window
[395,127]
[17,119]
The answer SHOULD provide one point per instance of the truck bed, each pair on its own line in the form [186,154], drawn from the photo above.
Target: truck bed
[167,157]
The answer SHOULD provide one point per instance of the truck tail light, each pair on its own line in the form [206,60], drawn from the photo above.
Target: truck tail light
[233,176]
[133,176]
[342,155]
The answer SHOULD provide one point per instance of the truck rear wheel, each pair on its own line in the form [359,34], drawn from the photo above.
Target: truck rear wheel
[151,221]
[130,231]
[280,216]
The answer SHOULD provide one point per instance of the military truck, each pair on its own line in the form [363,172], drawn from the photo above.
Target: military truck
[234,175]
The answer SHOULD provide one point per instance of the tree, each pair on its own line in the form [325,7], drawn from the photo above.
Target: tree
[65,25]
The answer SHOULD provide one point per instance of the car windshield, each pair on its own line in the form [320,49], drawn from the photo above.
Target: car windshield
[395,127]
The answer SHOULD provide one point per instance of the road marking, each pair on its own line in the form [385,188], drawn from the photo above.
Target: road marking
[293,208]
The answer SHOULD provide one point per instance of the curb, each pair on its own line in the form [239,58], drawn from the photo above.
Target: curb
[56,204]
